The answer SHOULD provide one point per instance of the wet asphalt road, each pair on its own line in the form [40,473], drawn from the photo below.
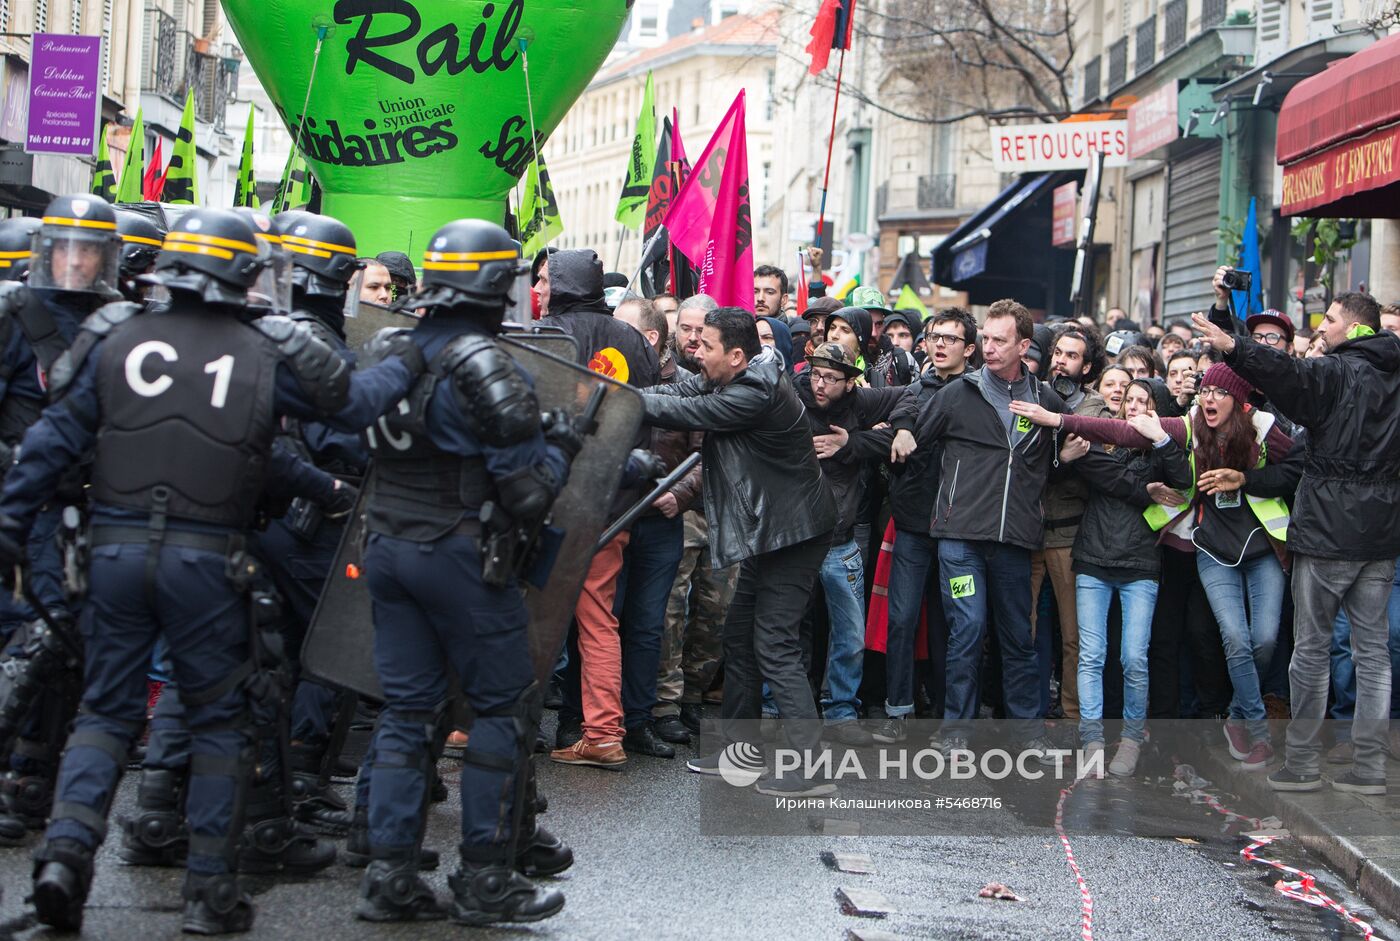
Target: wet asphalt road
[644,870]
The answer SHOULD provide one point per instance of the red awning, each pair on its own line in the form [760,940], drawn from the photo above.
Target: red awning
[1338,134]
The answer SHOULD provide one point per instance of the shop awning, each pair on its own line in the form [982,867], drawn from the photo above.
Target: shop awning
[1338,136]
[1004,249]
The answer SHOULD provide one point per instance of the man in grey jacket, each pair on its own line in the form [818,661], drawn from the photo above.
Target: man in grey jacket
[770,509]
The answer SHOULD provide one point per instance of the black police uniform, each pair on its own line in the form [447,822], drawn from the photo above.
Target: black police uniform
[167,538]
[470,431]
[38,321]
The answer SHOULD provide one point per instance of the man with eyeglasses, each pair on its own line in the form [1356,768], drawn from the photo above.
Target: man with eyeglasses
[951,341]
[1271,328]
[841,415]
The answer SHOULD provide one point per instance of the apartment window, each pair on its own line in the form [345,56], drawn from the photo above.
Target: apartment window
[769,103]
[1173,25]
[1146,52]
[1093,79]
[76,11]
[1118,65]
[765,181]
[648,17]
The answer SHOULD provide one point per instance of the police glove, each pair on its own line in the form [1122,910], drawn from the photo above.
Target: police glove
[396,341]
[342,500]
[642,465]
[559,431]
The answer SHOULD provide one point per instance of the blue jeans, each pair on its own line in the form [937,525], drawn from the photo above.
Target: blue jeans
[913,578]
[1249,638]
[1093,596]
[976,575]
[843,582]
[649,565]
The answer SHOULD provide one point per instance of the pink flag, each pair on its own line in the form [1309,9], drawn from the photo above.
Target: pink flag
[709,219]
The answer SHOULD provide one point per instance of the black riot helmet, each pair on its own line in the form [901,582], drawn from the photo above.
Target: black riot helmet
[77,247]
[272,292]
[16,246]
[323,253]
[141,243]
[212,253]
[469,262]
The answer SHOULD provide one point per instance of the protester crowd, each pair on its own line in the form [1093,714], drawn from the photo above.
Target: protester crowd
[1140,563]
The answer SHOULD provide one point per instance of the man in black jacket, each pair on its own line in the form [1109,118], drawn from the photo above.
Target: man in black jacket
[951,339]
[770,509]
[837,411]
[1345,527]
[988,519]
[570,289]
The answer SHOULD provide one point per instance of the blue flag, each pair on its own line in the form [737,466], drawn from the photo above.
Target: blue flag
[1253,301]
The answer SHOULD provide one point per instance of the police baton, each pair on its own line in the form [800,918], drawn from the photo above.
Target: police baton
[637,509]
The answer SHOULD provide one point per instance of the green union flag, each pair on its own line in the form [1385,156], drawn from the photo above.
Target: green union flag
[181,178]
[294,191]
[129,186]
[104,181]
[632,207]
[539,211]
[247,192]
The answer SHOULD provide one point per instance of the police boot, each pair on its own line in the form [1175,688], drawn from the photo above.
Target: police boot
[486,890]
[543,854]
[62,877]
[156,834]
[274,842]
[27,798]
[392,891]
[315,804]
[216,905]
[357,853]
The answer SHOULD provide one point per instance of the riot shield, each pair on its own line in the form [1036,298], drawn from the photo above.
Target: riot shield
[369,319]
[340,641]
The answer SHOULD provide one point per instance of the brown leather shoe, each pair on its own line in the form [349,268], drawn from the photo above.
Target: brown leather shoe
[597,754]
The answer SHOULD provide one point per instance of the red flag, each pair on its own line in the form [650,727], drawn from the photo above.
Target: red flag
[710,221]
[153,182]
[831,30]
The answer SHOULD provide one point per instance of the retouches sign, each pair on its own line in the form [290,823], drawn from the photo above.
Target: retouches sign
[418,114]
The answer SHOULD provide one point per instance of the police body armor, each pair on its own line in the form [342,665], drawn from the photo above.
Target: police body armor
[34,319]
[422,493]
[195,384]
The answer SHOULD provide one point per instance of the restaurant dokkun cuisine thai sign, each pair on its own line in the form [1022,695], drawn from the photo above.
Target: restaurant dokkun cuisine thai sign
[65,95]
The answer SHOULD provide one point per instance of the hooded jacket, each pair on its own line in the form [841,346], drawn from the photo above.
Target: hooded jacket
[1348,503]
[576,306]
[763,487]
[861,322]
[857,411]
[991,479]
[782,340]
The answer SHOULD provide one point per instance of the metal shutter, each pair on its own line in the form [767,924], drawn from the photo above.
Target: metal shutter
[1193,219]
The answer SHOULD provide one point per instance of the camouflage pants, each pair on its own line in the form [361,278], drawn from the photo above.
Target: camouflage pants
[692,647]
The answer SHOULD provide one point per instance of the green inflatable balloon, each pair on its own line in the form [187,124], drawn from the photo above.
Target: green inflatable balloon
[418,111]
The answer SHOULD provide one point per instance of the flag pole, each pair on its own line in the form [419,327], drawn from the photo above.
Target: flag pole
[617,262]
[830,144]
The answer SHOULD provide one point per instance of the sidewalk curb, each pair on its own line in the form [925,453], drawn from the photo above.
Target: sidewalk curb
[1376,877]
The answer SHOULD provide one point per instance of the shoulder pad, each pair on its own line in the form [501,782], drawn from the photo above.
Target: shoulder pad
[497,402]
[13,295]
[322,373]
[108,316]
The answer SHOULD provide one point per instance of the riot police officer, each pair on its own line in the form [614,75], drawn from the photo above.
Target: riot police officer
[300,547]
[141,241]
[468,433]
[155,835]
[73,271]
[178,407]
[16,246]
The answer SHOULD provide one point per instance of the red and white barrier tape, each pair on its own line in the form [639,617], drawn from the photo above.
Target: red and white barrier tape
[1303,888]
[1086,898]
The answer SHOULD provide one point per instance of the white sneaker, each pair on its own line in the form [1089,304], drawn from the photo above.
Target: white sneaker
[1125,759]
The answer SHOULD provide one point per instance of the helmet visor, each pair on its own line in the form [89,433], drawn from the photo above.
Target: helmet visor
[75,261]
[273,288]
